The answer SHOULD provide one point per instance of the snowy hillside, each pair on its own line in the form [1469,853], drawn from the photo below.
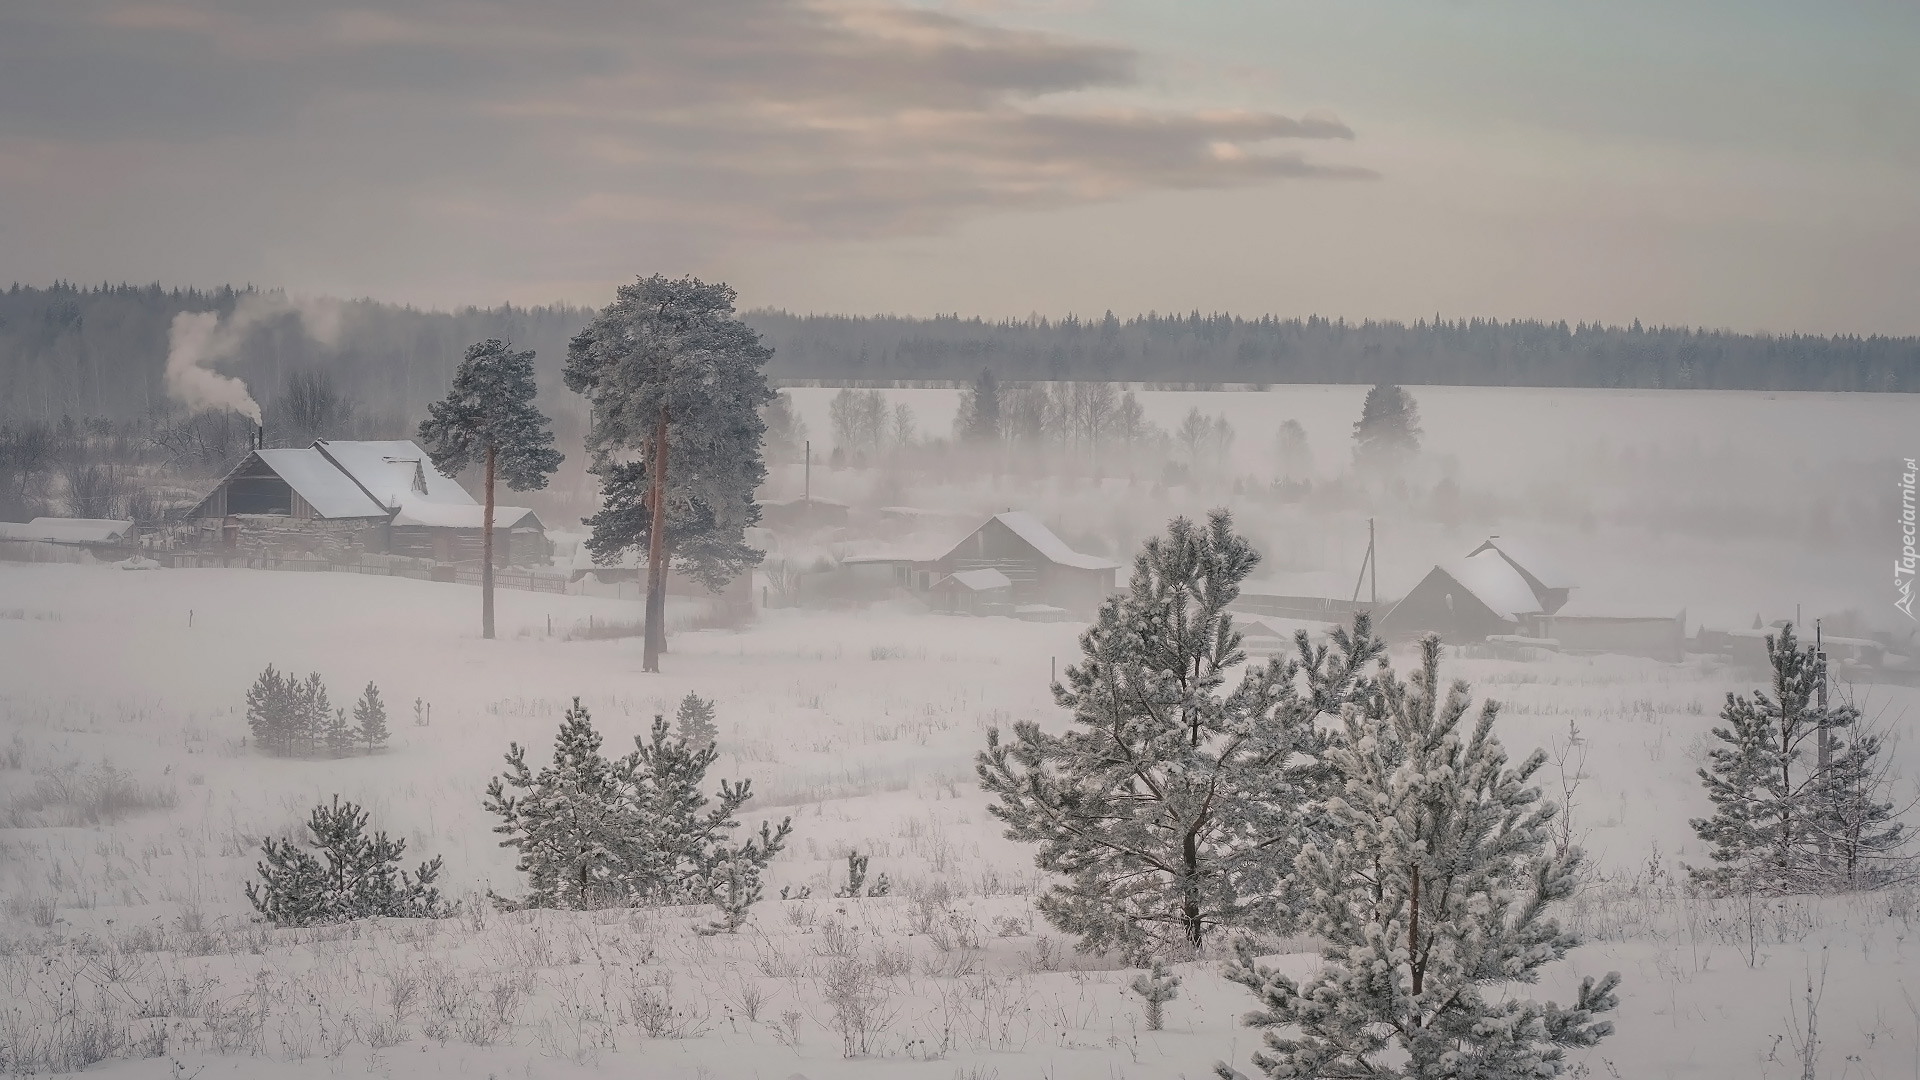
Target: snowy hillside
[134,814]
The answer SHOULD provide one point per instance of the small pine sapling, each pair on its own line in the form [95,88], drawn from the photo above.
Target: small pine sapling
[1157,987]
[315,713]
[353,876]
[694,722]
[370,719]
[636,830]
[736,892]
[340,735]
[788,892]
[571,821]
[271,710]
[881,885]
[856,876]
[422,712]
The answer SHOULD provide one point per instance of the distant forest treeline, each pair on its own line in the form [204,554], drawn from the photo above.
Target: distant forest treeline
[101,351]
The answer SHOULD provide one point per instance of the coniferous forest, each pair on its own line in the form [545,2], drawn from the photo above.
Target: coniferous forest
[101,351]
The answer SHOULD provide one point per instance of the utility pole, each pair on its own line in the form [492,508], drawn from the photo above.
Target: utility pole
[1373,567]
[809,475]
[1366,564]
[1825,738]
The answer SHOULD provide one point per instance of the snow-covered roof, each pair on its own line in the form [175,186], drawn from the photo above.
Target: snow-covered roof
[1028,528]
[396,472]
[331,493]
[451,516]
[982,580]
[1495,583]
[1528,559]
[67,530]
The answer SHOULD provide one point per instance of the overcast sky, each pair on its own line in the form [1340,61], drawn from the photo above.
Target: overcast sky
[1746,163]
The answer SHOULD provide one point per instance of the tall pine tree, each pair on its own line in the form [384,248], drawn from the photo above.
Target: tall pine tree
[1172,806]
[978,420]
[489,416]
[1429,889]
[1388,430]
[676,381]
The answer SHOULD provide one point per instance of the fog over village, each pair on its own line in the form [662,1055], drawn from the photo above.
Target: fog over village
[959,539]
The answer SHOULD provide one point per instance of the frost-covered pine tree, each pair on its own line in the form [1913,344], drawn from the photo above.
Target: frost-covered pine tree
[571,822]
[273,710]
[1430,890]
[313,714]
[694,721]
[635,830]
[689,850]
[353,876]
[370,719]
[1863,843]
[488,417]
[1781,823]
[676,381]
[1174,803]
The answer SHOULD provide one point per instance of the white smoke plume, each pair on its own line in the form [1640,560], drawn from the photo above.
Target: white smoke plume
[200,339]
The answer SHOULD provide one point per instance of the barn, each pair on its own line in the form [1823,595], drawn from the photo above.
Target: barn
[339,498]
[1469,600]
[1040,568]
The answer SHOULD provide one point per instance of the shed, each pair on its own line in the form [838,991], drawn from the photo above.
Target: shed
[1040,567]
[1478,596]
[984,591]
[1586,627]
[82,532]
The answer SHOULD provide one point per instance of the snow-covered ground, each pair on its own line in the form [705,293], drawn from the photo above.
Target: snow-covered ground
[862,726]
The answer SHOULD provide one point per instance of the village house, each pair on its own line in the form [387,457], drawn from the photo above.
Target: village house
[1040,569]
[340,498]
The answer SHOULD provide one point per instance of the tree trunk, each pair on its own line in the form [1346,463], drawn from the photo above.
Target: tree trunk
[656,628]
[1413,938]
[1190,910]
[486,555]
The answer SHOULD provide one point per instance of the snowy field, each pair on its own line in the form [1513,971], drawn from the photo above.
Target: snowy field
[125,915]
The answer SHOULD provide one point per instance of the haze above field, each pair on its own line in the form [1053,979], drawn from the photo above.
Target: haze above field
[1727,165]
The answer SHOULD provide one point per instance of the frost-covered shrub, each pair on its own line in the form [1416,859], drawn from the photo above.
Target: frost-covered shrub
[347,874]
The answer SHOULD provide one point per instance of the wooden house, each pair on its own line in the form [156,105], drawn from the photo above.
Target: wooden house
[340,497]
[1470,600]
[1039,567]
